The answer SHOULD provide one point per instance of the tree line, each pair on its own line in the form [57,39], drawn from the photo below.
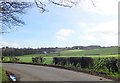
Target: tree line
[8,51]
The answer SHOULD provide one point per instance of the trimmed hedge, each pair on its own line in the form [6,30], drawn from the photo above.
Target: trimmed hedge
[106,64]
[85,62]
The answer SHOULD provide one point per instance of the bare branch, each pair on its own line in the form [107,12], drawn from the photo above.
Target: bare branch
[9,13]
[59,4]
[40,5]
[93,3]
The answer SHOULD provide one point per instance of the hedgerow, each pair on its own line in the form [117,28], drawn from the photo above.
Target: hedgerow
[105,64]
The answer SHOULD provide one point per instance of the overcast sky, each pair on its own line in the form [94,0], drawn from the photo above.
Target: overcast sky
[61,27]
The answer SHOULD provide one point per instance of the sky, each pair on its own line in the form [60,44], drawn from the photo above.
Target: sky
[81,25]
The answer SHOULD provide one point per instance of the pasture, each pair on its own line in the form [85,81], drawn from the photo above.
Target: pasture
[101,51]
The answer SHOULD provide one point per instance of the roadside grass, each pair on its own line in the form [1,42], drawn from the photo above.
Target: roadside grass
[3,76]
[114,75]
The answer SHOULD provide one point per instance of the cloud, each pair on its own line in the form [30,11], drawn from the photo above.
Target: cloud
[103,7]
[9,44]
[82,24]
[103,32]
[63,34]
[85,25]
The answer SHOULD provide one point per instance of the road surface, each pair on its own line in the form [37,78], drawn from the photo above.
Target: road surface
[42,73]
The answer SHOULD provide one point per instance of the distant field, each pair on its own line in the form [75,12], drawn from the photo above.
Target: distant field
[101,51]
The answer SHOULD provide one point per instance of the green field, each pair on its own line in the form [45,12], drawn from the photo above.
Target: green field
[101,51]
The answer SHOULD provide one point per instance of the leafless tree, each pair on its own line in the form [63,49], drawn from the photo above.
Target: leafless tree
[11,10]
[10,13]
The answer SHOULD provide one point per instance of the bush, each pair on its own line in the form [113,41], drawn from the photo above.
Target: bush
[84,62]
[105,64]
[108,64]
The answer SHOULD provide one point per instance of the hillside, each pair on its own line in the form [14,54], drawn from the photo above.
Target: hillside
[101,51]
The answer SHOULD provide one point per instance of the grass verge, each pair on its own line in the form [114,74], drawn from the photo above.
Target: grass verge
[3,76]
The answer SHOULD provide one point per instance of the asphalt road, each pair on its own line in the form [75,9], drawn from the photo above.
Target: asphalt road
[42,73]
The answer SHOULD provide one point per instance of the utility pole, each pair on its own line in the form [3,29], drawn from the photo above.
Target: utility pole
[1,40]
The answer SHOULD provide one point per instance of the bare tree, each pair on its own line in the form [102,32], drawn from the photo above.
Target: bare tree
[64,3]
[11,11]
